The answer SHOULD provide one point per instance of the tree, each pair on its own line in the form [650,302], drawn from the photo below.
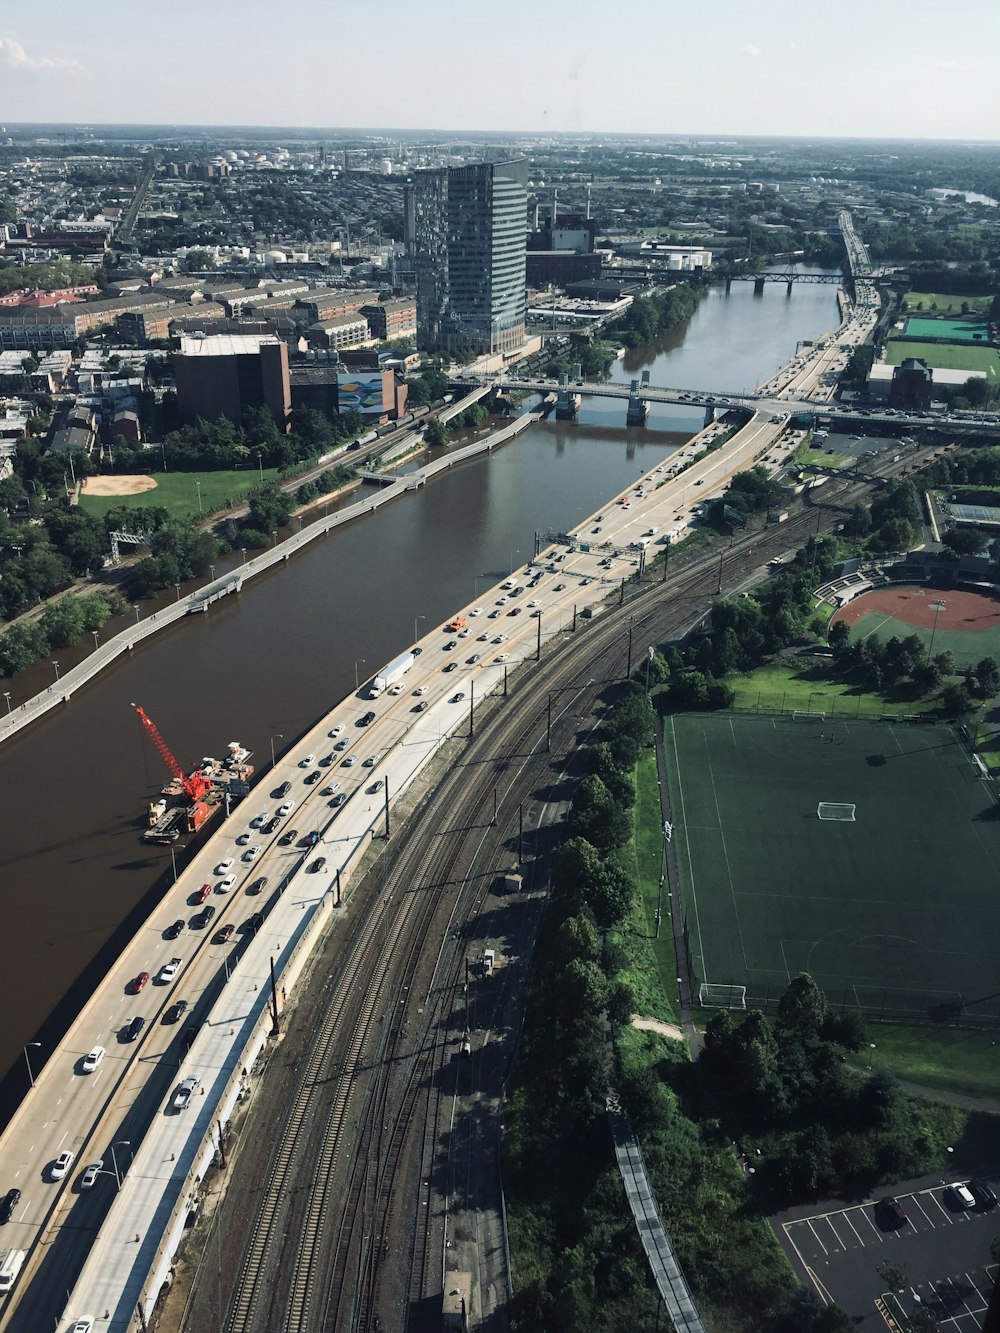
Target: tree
[802,1009]
[955,701]
[436,433]
[270,508]
[62,622]
[892,1274]
[23,644]
[878,1099]
[988,677]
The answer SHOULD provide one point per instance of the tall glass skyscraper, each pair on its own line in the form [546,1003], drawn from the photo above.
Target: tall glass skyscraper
[467,230]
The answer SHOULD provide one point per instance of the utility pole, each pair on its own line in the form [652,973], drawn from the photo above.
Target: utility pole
[493,821]
[666,559]
[722,556]
[574,617]
[472,704]
[621,593]
[628,666]
[505,682]
[386,790]
[337,903]
[538,641]
[520,832]
[548,725]
[276,1028]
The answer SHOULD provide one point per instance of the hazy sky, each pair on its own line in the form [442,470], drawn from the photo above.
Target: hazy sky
[870,68]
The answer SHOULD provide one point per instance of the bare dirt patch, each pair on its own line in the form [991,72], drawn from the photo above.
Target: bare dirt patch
[131,485]
[916,606]
[655,1025]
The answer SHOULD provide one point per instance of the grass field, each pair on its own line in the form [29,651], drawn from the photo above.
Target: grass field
[894,913]
[787,686]
[937,303]
[177,492]
[805,453]
[956,330]
[953,1059]
[947,356]
[967,646]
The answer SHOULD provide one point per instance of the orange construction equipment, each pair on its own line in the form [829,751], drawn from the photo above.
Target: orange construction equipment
[195,784]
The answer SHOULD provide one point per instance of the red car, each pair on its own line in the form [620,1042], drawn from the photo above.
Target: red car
[139,982]
[226,933]
[201,894]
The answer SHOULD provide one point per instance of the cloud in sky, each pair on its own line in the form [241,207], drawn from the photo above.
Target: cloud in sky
[751,50]
[958,67]
[14,56]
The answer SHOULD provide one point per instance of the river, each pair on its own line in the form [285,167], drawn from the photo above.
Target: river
[261,667]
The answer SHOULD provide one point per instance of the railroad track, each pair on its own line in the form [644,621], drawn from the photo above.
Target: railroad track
[320,1290]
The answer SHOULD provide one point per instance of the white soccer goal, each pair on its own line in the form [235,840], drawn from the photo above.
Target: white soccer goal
[808,717]
[836,810]
[715,996]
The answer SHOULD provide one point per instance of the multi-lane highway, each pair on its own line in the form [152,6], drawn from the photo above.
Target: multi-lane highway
[275,867]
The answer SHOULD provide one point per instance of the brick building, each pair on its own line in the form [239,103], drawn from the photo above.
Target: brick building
[221,375]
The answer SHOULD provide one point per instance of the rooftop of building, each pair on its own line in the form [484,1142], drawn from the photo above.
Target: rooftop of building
[228,344]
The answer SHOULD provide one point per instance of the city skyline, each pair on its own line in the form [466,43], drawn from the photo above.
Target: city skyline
[856,71]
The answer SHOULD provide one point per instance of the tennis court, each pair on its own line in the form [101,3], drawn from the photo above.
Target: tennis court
[891,903]
[952,330]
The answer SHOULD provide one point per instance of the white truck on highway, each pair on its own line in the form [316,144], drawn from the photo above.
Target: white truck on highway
[10,1265]
[396,670]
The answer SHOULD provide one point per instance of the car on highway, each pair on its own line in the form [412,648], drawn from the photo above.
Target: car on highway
[288,838]
[184,1093]
[311,839]
[313,777]
[449,645]
[502,601]
[484,638]
[252,853]
[367,719]
[308,761]
[169,970]
[89,1178]
[271,824]
[476,611]
[318,864]
[342,745]
[258,819]
[173,930]
[227,864]
[8,1203]
[58,1169]
[502,657]
[335,731]
[283,790]
[256,885]
[137,983]
[91,1060]
[175,1011]
[514,611]
[329,789]
[254,921]
[398,688]
[244,838]
[471,661]
[560,587]
[377,785]
[224,885]
[134,1028]
[458,697]
[464,633]
[452,666]
[350,761]
[421,689]
[338,800]
[286,808]
[223,934]
[419,708]
[500,638]
[201,894]
[202,918]
[537,612]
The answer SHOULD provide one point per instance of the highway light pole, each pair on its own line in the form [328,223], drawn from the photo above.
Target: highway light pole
[358,661]
[937,606]
[173,858]
[415,620]
[6,695]
[280,735]
[121,1143]
[31,1077]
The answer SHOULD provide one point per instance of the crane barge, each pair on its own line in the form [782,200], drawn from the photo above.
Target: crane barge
[190,800]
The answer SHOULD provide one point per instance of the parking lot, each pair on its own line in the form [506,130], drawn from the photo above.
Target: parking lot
[943,1250]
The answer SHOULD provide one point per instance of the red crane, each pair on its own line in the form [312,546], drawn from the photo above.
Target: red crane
[195,785]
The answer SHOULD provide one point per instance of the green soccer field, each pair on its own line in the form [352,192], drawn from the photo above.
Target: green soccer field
[896,913]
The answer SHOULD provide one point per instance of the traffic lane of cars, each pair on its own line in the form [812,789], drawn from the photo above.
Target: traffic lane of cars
[943,1247]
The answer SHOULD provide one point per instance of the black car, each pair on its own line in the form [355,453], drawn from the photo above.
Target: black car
[318,864]
[202,918]
[367,720]
[283,790]
[8,1203]
[338,800]
[288,838]
[175,1011]
[134,1028]
[312,838]
[893,1211]
[271,825]
[255,921]
[173,931]
[312,777]
[258,884]
[984,1195]
[452,666]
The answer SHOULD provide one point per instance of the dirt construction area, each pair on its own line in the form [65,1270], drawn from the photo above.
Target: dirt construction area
[133,485]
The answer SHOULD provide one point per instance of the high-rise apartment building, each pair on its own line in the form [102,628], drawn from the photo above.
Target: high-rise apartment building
[466,228]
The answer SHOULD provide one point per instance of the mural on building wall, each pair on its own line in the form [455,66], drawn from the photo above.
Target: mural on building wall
[362,392]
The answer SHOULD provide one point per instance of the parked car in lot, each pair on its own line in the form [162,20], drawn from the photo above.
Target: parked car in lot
[984,1195]
[892,1211]
[960,1197]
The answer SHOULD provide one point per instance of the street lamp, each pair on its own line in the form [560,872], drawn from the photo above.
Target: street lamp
[260,464]
[937,607]
[97,642]
[136,610]
[871,1053]
[243,552]
[56,665]
[415,620]
[31,1077]
[514,552]
[357,661]
[278,736]
[211,570]
[198,484]
[173,858]
[121,1143]
[6,695]
[177,589]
